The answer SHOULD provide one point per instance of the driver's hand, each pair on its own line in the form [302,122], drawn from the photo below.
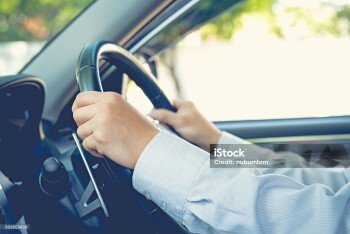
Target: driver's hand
[110,126]
[190,123]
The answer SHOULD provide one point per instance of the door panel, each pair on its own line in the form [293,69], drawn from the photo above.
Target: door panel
[329,129]
[297,135]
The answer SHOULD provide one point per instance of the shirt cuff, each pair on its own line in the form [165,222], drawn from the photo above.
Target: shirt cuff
[227,138]
[165,171]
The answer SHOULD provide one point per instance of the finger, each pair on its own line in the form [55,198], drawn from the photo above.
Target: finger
[178,103]
[85,130]
[86,98]
[162,115]
[84,114]
[89,145]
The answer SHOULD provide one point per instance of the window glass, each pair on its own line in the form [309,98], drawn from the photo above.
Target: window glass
[25,26]
[265,60]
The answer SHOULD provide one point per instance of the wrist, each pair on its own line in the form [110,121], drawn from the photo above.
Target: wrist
[149,134]
[216,136]
[212,137]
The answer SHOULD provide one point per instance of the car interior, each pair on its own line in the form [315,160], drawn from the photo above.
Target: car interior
[48,180]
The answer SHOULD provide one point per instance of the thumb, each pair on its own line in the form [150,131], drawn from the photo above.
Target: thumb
[164,116]
[178,103]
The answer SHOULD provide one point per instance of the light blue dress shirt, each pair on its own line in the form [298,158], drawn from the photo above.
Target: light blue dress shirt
[176,175]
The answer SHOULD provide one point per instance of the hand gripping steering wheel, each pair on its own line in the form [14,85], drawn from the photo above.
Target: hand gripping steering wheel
[88,78]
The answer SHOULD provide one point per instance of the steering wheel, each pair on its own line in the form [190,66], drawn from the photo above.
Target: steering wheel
[88,75]
[88,78]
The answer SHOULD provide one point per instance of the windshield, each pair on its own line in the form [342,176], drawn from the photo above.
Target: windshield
[25,27]
[266,59]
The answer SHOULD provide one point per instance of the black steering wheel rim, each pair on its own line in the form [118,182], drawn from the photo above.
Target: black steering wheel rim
[88,76]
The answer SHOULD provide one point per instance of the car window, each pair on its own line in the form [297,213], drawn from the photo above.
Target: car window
[264,60]
[25,27]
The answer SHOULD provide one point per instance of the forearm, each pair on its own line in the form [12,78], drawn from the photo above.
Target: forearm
[177,176]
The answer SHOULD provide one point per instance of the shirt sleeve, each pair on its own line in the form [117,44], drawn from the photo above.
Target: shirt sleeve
[295,165]
[177,176]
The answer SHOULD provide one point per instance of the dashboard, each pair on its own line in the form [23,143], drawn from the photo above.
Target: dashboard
[21,105]
[54,191]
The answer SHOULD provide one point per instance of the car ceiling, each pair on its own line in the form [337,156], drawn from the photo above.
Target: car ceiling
[111,20]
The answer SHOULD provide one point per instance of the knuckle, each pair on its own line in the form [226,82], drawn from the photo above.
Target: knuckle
[99,136]
[76,115]
[102,120]
[86,145]
[80,132]
[100,150]
[105,108]
[112,97]
[80,98]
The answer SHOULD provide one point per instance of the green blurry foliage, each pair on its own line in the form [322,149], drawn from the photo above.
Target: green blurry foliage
[334,20]
[36,20]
